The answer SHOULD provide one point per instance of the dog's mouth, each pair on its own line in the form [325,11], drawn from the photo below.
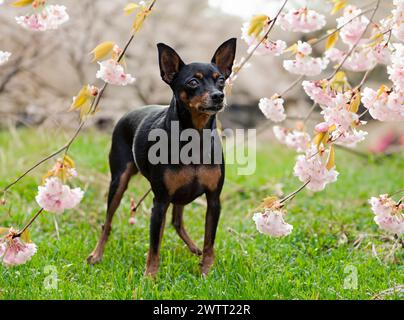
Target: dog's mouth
[212,109]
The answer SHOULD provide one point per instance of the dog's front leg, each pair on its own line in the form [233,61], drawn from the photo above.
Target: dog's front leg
[211,221]
[157,223]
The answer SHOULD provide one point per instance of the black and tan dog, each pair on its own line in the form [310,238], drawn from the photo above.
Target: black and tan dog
[197,97]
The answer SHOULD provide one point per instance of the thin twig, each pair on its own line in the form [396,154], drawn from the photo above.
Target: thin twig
[19,233]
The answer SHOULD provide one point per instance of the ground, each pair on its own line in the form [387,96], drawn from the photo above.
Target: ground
[334,236]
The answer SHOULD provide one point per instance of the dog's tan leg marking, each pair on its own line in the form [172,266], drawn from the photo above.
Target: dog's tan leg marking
[209,176]
[96,255]
[178,224]
[175,179]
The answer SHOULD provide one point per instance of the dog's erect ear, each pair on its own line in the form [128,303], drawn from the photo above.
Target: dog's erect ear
[224,56]
[169,61]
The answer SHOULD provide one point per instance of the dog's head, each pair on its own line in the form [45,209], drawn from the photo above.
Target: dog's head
[198,85]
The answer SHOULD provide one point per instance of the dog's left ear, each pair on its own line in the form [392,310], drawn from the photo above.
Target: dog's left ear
[224,57]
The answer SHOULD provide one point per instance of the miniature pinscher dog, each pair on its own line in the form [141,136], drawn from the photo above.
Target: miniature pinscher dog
[197,97]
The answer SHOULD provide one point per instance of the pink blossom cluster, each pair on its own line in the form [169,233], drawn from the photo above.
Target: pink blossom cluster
[338,113]
[273,108]
[311,166]
[396,69]
[267,47]
[362,58]
[294,139]
[384,105]
[50,18]
[348,138]
[319,91]
[353,25]
[13,251]
[56,197]
[113,73]
[388,214]
[4,56]
[396,21]
[301,20]
[272,223]
[304,64]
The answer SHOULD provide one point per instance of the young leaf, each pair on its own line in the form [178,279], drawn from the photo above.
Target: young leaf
[331,159]
[332,39]
[320,137]
[338,5]
[25,236]
[269,201]
[102,50]
[130,7]
[140,18]
[257,24]
[355,102]
[22,3]
[81,97]
[292,48]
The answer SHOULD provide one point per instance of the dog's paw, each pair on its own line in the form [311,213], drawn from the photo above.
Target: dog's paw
[206,265]
[94,258]
[150,274]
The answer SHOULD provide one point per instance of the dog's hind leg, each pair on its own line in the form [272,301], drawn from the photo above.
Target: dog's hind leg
[122,169]
[178,224]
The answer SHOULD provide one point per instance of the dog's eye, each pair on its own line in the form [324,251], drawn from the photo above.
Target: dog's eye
[193,83]
[220,82]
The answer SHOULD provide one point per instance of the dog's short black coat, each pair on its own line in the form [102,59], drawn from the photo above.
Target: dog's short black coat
[197,97]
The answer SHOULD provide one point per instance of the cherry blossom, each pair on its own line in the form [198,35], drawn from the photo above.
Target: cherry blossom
[322,127]
[319,91]
[304,64]
[384,104]
[112,72]
[271,222]
[348,138]
[56,197]
[398,20]
[13,251]
[311,167]
[273,108]
[338,113]
[50,18]
[298,140]
[280,133]
[301,20]
[361,59]
[352,31]
[4,56]
[396,69]
[388,214]
[267,46]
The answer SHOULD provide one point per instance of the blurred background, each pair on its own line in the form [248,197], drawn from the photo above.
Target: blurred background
[48,68]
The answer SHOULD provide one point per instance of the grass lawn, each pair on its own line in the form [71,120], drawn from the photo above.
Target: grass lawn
[334,233]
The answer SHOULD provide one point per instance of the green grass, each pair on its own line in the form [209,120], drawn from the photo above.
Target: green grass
[308,264]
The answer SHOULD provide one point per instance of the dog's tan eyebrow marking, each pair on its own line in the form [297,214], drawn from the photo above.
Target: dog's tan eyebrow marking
[198,75]
[215,75]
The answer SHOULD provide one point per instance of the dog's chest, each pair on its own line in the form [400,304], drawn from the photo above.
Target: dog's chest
[189,179]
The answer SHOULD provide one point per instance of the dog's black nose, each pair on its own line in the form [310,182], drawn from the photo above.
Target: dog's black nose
[217,96]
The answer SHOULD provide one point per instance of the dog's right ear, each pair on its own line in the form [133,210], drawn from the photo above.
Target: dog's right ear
[169,61]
